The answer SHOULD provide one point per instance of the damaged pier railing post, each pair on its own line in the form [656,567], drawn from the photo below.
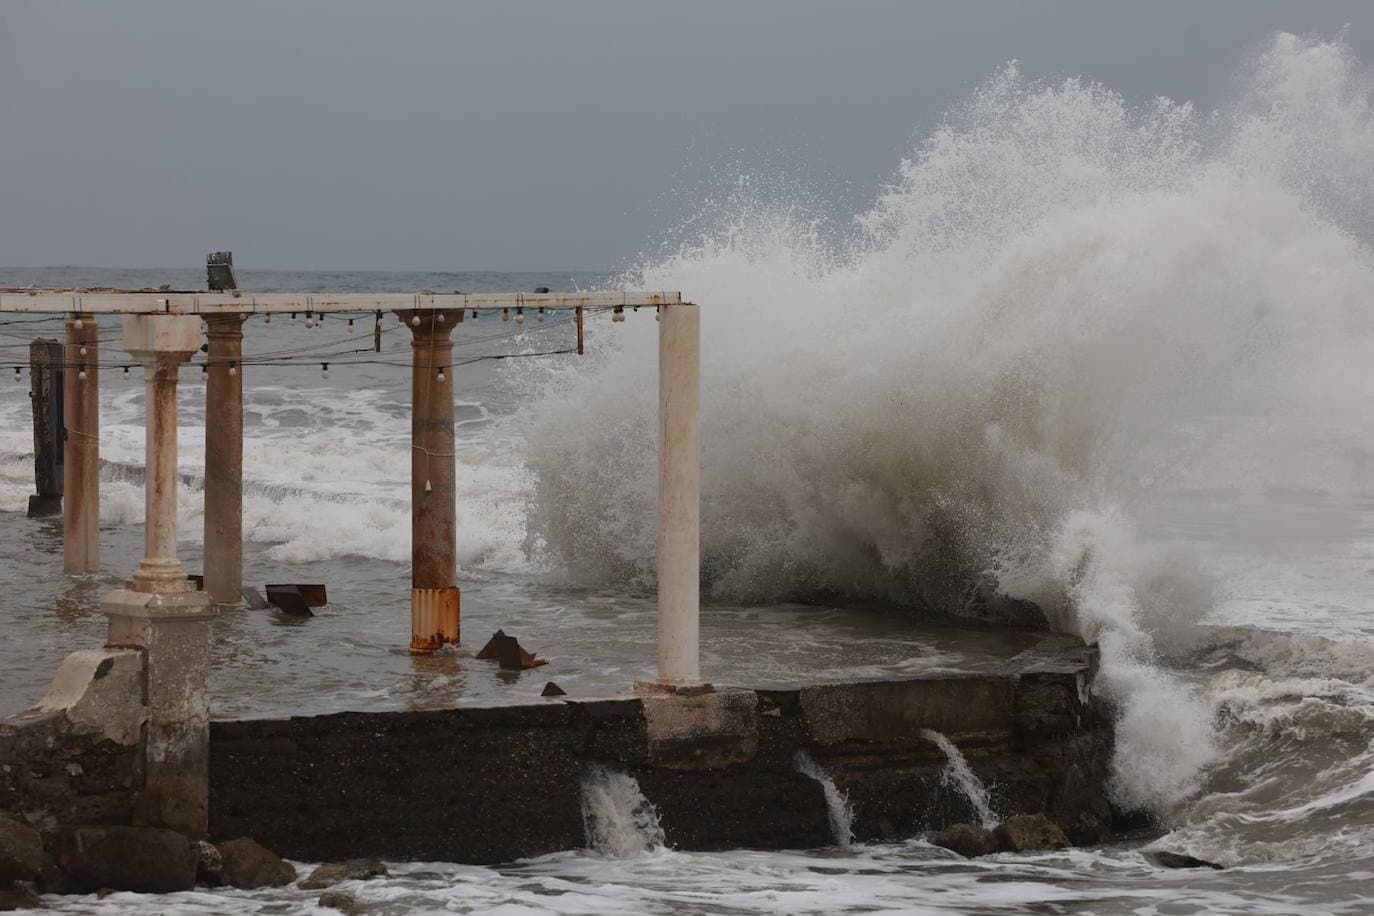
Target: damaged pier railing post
[81,452]
[679,508]
[224,459]
[159,611]
[434,600]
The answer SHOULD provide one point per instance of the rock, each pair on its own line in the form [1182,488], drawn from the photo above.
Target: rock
[339,900]
[21,852]
[19,898]
[209,864]
[247,865]
[54,880]
[172,803]
[332,873]
[1027,832]
[146,859]
[967,840]
[1166,859]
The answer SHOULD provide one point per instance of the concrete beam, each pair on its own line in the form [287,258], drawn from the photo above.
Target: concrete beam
[234,302]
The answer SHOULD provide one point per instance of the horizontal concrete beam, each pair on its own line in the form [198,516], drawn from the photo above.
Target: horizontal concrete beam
[128,302]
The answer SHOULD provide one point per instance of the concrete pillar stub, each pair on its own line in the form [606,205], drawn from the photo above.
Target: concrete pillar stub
[159,612]
[81,430]
[679,507]
[434,596]
[224,460]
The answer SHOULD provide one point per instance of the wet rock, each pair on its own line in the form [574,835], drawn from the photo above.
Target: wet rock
[967,840]
[21,852]
[341,901]
[1028,832]
[149,860]
[248,865]
[53,880]
[1166,859]
[19,898]
[553,690]
[172,803]
[332,873]
[209,864]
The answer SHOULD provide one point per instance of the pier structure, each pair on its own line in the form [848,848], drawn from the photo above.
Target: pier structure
[431,317]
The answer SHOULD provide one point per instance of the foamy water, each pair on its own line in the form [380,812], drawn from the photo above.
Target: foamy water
[1114,358]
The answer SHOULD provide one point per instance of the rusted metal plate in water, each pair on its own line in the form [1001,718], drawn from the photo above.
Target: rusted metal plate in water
[289,600]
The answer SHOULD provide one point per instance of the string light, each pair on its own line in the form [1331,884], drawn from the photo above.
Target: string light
[505,314]
[204,372]
[428,488]
[233,369]
[83,351]
[618,314]
[324,370]
[81,374]
[474,314]
[293,317]
[350,325]
[126,371]
[76,324]
[441,374]
[309,320]
[267,319]
[519,314]
[541,313]
[439,317]
[415,321]
[17,377]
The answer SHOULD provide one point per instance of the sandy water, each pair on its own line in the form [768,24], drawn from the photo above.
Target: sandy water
[1114,358]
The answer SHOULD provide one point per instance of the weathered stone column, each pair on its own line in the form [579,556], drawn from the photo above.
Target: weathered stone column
[81,450]
[224,460]
[679,507]
[434,601]
[159,611]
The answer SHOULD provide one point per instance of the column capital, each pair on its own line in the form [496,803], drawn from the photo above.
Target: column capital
[224,326]
[157,340]
[434,326]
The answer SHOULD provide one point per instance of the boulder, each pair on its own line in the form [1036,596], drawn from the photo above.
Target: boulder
[173,803]
[332,873]
[209,864]
[341,901]
[967,840]
[1165,859]
[19,898]
[150,860]
[21,852]
[1028,832]
[247,865]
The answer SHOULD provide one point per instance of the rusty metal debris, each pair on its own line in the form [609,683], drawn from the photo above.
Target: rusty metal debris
[553,690]
[297,600]
[254,599]
[508,652]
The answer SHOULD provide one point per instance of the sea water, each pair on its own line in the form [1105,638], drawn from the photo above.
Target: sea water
[1115,357]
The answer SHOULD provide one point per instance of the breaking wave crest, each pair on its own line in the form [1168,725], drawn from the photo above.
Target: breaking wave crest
[1064,308]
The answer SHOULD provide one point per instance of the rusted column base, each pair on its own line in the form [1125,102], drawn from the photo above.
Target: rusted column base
[433,618]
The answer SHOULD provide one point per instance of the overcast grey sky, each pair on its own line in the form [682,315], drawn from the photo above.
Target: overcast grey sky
[516,134]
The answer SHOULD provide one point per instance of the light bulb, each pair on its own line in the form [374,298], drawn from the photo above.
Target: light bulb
[324,370]
[439,317]
[76,324]
[293,317]
[204,371]
[474,314]
[428,488]
[541,313]
[415,321]
[81,374]
[267,319]
[505,314]
[309,323]
[83,351]
[17,378]
[350,325]
[441,375]
[519,316]
[618,314]
[233,370]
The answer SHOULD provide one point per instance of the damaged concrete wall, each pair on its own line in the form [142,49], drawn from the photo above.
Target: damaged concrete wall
[77,757]
[485,785]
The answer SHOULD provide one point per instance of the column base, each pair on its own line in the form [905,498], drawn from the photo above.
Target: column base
[434,616]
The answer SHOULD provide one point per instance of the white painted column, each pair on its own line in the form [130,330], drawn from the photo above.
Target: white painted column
[679,495]
[159,611]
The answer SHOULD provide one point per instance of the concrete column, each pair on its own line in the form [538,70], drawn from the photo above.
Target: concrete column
[679,505]
[434,600]
[224,460]
[159,611]
[81,453]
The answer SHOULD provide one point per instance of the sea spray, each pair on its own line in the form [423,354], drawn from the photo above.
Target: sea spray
[958,775]
[836,802]
[619,821]
[1063,311]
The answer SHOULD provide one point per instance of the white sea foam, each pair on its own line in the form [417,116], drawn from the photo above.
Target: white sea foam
[836,802]
[619,821]
[959,776]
